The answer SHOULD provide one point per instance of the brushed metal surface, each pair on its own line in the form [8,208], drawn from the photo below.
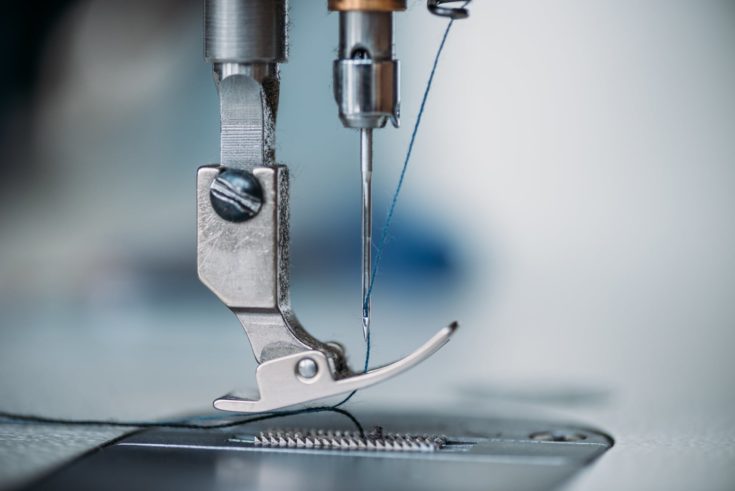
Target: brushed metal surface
[245,31]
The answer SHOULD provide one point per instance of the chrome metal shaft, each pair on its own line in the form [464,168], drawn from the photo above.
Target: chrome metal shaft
[366,168]
[245,40]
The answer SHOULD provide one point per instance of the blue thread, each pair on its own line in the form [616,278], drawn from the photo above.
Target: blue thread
[394,201]
[29,419]
[364,370]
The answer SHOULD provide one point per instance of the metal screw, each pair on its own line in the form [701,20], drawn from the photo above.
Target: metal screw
[236,195]
[307,368]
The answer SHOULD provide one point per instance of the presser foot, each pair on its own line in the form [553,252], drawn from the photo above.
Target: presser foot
[243,258]
[308,376]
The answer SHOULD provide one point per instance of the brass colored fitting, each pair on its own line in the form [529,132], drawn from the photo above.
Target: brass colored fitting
[367,5]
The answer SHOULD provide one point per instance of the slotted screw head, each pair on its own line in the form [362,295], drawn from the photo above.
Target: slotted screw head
[236,195]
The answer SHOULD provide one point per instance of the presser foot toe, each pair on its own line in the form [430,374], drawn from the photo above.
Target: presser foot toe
[307,376]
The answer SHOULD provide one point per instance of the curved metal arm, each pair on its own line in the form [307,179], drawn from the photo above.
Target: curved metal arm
[281,384]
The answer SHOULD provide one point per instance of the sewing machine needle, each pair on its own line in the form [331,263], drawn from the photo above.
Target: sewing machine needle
[366,166]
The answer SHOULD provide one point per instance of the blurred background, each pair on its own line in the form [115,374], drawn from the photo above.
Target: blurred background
[570,201]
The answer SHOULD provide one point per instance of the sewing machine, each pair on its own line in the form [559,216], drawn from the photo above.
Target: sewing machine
[242,257]
[569,202]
